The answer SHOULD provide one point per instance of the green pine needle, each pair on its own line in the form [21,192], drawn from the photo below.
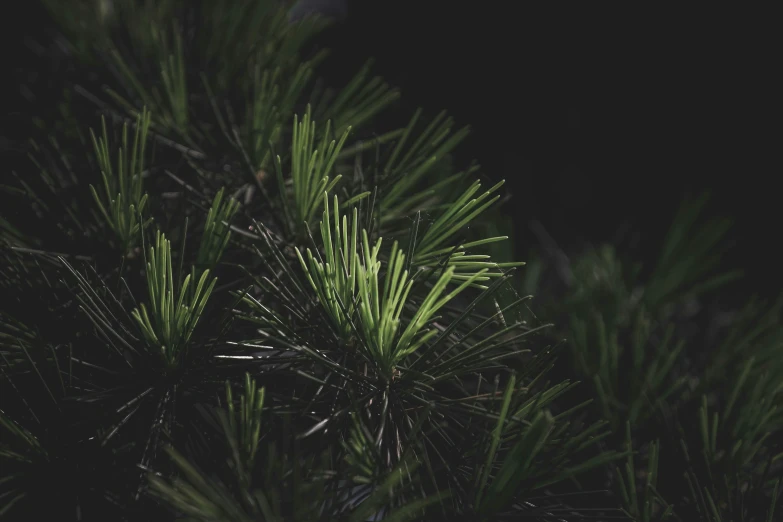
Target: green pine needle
[310,173]
[216,231]
[169,322]
[334,278]
[123,203]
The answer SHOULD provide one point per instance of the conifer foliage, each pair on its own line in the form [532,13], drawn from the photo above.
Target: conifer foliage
[229,294]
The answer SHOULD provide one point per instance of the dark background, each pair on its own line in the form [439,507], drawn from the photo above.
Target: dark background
[596,115]
[599,115]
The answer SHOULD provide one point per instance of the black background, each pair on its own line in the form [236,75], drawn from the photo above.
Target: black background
[596,115]
[599,115]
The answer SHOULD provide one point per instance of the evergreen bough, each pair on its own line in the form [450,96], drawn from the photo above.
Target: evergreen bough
[265,306]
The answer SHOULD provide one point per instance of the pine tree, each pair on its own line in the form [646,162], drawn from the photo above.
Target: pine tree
[230,293]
